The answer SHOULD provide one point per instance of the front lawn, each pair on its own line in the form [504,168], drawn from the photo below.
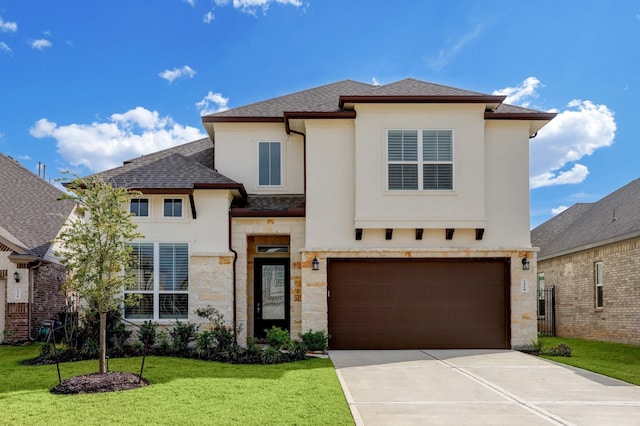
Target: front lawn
[610,359]
[181,391]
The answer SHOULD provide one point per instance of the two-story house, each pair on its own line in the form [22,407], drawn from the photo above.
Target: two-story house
[393,216]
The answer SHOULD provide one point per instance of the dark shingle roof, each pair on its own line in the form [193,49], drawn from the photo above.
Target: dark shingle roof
[614,217]
[318,99]
[182,167]
[30,211]
[328,99]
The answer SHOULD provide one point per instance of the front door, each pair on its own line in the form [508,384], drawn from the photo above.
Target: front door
[271,295]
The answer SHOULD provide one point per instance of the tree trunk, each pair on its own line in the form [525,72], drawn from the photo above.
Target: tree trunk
[103,343]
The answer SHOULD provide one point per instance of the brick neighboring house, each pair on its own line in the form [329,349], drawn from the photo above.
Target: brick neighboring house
[30,275]
[590,253]
[392,216]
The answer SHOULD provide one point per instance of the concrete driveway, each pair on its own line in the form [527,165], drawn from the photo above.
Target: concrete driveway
[479,387]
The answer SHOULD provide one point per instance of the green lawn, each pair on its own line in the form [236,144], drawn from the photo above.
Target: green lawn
[611,359]
[181,391]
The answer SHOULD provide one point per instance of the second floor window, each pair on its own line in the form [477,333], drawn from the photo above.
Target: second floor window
[172,207]
[269,164]
[419,160]
[139,207]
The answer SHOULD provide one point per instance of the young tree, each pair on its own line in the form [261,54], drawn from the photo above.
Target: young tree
[95,249]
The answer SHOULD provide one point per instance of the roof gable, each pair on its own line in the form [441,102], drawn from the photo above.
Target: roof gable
[30,212]
[614,217]
[180,169]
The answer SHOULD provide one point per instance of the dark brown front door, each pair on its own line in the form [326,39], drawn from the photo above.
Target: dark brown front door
[418,303]
[271,294]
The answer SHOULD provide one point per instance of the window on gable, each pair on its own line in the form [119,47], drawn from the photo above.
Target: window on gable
[599,284]
[420,166]
[269,163]
[139,207]
[172,207]
[161,281]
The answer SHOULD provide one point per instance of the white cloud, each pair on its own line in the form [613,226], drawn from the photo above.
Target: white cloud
[558,210]
[103,145]
[6,26]
[375,81]
[251,6]
[170,75]
[4,47]
[445,55]
[516,95]
[213,102]
[208,17]
[40,44]
[190,2]
[578,131]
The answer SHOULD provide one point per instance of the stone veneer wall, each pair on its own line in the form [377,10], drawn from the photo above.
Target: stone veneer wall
[573,277]
[211,284]
[523,285]
[242,230]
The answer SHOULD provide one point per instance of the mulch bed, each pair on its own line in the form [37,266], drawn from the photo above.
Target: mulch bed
[96,383]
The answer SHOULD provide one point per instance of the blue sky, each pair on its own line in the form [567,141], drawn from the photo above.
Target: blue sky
[85,85]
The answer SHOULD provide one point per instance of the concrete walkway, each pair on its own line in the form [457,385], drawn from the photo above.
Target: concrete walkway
[479,387]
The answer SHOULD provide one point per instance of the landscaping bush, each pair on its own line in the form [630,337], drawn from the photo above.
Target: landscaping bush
[181,336]
[148,333]
[277,337]
[315,340]
[560,350]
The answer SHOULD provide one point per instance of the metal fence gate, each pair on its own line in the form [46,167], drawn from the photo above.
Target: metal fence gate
[547,311]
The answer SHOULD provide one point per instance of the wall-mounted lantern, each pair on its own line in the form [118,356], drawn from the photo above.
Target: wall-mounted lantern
[315,264]
[16,276]
[525,264]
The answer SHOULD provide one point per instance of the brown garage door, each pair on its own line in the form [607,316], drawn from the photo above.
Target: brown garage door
[418,303]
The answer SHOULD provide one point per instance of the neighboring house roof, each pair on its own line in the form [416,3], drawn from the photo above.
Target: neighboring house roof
[182,168]
[613,218]
[334,100]
[31,215]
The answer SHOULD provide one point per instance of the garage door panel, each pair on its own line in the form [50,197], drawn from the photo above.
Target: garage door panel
[418,303]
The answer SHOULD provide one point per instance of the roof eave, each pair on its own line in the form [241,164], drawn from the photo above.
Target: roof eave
[589,246]
[243,119]
[490,100]
[249,212]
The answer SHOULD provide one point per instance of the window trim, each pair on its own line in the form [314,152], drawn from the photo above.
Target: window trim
[598,281]
[182,208]
[137,216]
[420,162]
[280,159]
[156,291]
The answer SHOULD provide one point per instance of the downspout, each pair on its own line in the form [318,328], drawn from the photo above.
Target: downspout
[31,279]
[304,159]
[235,260]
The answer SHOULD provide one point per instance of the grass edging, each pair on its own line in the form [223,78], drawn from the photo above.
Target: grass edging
[617,360]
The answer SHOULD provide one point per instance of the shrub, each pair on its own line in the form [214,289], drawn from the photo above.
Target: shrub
[222,335]
[148,330]
[561,350]
[181,335]
[271,355]
[297,351]
[277,337]
[315,340]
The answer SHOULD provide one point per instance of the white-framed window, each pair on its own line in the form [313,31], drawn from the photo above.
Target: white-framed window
[139,207]
[419,160]
[269,163]
[172,207]
[599,284]
[161,272]
[541,296]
